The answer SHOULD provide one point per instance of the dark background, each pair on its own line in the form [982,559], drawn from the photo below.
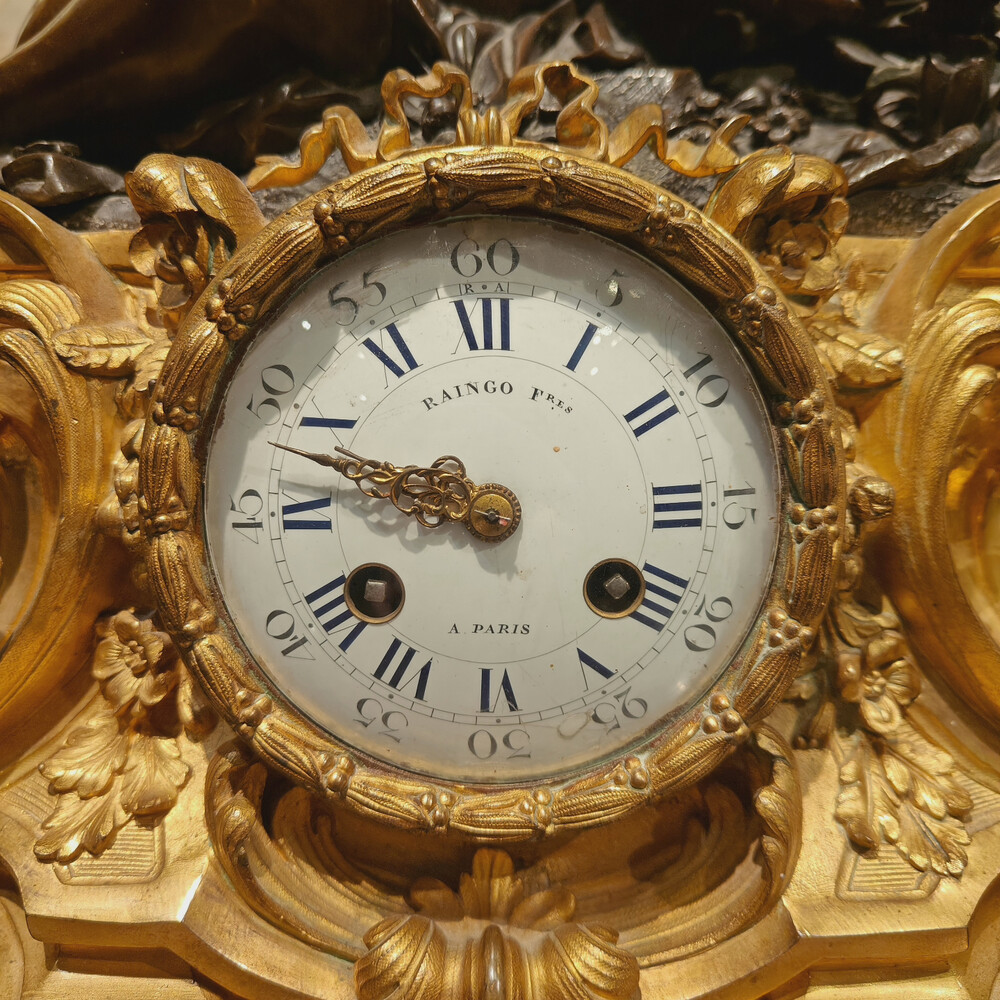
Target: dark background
[900,92]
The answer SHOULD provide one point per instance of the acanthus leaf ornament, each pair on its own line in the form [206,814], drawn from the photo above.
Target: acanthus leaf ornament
[117,766]
[898,785]
[790,211]
[80,301]
[194,214]
[303,873]
[493,935]
[346,219]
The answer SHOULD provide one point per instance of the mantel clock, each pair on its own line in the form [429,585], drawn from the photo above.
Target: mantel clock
[517,575]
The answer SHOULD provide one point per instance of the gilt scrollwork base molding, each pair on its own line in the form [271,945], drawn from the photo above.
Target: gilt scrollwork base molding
[714,861]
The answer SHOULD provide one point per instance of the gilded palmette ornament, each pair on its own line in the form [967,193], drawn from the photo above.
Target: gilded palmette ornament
[493,936]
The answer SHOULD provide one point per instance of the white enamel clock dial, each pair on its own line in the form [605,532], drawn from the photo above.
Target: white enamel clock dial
[572,372]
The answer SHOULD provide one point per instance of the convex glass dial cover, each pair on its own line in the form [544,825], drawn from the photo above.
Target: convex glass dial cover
[546,361]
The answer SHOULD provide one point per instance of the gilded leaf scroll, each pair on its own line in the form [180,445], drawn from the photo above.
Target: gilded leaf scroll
[898,785]
[116,766]
[790,211]
[124,762]
[194,214]
[61,335]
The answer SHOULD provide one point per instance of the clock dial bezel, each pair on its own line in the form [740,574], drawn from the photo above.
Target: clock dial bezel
[430,186]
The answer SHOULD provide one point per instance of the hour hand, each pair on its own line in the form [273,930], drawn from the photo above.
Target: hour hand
[437,494]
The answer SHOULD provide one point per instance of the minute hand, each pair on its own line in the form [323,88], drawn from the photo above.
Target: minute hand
[440,493]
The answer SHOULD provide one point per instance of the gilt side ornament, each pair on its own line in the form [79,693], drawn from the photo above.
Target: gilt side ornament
[168,790]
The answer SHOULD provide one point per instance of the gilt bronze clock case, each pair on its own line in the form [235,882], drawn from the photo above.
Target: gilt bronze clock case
[436,184]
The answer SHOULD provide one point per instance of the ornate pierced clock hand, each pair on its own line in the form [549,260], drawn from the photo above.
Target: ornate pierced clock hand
[437,494]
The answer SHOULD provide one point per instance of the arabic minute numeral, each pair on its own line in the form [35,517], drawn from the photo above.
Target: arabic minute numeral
[276,380]
[281,625]
[346,307]
[701,636]
[734,514]
[250,504]
[606,713]
[712,388]
[483,744]
[609,292]
[501,258]
[372,712]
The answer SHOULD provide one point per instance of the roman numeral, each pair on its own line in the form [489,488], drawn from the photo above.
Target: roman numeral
[586,660]
[290,522]
[390,363]
[588,336]
[334,423]
[328,605]
[486,343]
[397,679]
[486,702]
[663,593]
[655,410]
[677,506]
